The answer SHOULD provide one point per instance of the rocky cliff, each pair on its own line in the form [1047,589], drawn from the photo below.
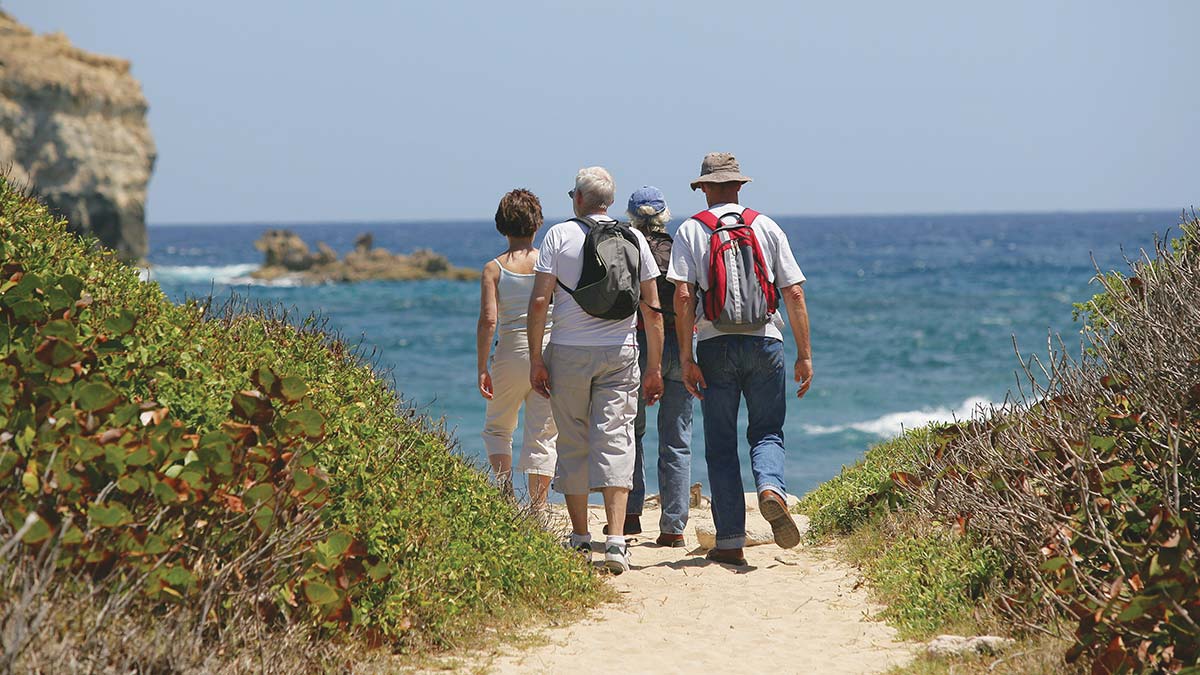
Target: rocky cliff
[73,128]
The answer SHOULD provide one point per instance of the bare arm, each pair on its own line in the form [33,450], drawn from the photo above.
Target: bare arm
[486,328]
[685,318]
[793,299]
[685,325]
[652,383]
[539,307]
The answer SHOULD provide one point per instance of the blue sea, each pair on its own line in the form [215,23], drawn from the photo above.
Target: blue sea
[913,317]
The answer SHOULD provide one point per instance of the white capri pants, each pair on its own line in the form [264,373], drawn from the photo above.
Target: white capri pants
[511,389]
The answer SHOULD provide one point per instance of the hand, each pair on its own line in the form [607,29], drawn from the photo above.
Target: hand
[485,385]
[693,379]
[804,375]
[652,387]
[539,377]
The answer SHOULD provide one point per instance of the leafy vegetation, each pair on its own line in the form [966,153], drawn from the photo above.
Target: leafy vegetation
[850,499]
[226,466]
[1077,503]
[930,580]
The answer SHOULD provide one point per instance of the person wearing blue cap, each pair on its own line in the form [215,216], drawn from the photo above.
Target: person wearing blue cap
[648,212]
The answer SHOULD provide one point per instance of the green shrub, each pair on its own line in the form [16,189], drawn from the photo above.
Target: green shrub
[129,493]
[1081,503]
[113,397]
[851,498]
[1092,489]
[1097,313]
[929,579]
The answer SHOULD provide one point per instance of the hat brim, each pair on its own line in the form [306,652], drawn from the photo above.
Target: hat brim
[721,177]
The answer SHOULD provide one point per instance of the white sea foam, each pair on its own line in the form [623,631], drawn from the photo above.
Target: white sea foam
[893,424]
[224,275]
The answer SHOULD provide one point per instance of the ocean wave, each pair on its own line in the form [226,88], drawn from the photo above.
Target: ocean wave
[893,424]
[223,275]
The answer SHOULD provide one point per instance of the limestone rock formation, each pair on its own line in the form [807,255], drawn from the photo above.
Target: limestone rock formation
[73,128]
[286,256]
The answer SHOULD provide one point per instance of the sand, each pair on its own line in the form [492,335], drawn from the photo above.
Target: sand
[790,611]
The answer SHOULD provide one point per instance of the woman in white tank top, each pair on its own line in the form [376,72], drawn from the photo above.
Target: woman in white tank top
[504,301]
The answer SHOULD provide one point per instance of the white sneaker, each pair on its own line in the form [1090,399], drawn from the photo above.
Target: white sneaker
[581,546]
[616,558]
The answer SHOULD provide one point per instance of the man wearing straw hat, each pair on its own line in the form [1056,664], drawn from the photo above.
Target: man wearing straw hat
[732,300]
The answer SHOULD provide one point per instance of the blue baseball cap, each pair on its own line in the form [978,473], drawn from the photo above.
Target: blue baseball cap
[647,195]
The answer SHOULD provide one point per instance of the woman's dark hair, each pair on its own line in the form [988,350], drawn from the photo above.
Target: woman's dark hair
[519,214]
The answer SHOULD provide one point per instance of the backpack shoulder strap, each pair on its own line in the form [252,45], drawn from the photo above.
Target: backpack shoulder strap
[749,216]
[708,218]
[587,224]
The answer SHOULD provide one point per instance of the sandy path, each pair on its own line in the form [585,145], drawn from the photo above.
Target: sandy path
[791,611]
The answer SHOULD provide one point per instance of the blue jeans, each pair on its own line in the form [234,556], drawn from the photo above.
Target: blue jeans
[674,442]
[733,366]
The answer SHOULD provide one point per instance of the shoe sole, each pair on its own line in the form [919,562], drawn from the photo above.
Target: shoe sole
[783,527]
[615,567]
[740,562]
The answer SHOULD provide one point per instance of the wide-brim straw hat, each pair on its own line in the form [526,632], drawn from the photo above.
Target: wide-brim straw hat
[720,167]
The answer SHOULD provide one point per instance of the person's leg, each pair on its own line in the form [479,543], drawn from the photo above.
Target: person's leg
[539,488]
[577,509]
[674,445]
[637,496]
[766,404]
[538,454]
[570,389]
[615,504]
[720,406]
[501,415]
[613,409]
[502,470]
[766,401]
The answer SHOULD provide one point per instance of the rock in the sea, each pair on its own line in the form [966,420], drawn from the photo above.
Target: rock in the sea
[286,256]
[285,249]
[73,128]
[957,645]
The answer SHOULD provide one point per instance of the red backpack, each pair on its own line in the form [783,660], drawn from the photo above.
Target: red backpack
[740,294]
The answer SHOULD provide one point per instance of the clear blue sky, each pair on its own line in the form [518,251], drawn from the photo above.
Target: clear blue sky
[372,110]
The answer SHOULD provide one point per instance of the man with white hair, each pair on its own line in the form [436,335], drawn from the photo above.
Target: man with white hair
[590,368]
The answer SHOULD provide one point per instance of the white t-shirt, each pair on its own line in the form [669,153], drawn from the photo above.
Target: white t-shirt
[689,263]
[561,254]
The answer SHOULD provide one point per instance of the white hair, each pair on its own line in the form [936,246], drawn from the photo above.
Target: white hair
[597,187]
[647,219]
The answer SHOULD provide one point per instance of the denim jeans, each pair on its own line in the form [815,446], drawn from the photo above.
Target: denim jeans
[674,442]
[733,366]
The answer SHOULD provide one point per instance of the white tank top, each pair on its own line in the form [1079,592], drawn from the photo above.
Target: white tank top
[512,310]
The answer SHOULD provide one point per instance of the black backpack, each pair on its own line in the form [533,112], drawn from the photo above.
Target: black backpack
[660,244]
[610,283]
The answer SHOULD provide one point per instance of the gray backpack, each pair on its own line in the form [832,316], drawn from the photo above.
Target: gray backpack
[610,283]
[740,295]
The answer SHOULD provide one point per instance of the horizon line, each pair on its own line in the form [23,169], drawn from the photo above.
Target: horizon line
[1183,212]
